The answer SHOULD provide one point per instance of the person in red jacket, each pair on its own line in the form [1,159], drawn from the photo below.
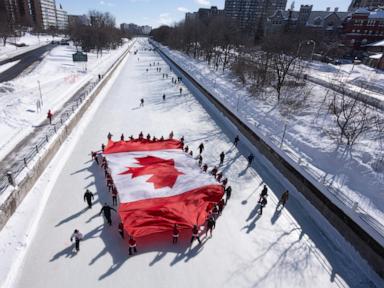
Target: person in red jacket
[195,234]
[49,116]
[175,234]
[132,245]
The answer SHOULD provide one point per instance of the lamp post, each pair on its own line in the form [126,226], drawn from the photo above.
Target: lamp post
[41,95]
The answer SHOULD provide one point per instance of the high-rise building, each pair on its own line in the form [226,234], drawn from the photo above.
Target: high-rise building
[16,12]
[252,14]
[61,18]
[369,4]
[48,13]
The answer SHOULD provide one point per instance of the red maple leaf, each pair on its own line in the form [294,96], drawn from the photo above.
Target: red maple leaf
[164,173]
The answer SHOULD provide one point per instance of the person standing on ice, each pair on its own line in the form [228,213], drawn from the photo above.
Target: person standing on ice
[121,230]
[200,158]
[222,156]
[142,102]
[171,135]
[109,136]
[122,137]
[181,91]
[262,205]
[201,148]
[236,142]
[114,195]
[175,234]
[132,245]
[228,193]
[88,196]
[49,116]
[106,210]
[95,157]
[205,168]
[211,224]
[214,171]
[263,194]
[164,97]
[78,237]
[250,159]
[195,234]
[283,199]
[141,135]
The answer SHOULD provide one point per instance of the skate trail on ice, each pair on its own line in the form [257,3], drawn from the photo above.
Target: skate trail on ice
[278,249]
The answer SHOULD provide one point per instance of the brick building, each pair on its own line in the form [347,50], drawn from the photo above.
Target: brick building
[363,27]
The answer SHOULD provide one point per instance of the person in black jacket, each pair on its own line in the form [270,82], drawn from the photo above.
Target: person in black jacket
[195,234]
[88,196]
[106,210]
[211,223]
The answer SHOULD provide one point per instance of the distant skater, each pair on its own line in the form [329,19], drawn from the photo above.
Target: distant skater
[175,234]
[121,230]
[263,194]
[141,102]
[88,196]
[201,148]
[283,199]
[222,156]
[49,116]
[251,157]
[106,210]
[78,237]
[236,141]
[228,193]
[132,245]
[195,234]
[164,97]
[263,203]
[211,223]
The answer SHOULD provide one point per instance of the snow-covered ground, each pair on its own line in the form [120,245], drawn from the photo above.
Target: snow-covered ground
[359,78]
[59,79]
[291,248]
[306,141]
[31,42]
[6,66]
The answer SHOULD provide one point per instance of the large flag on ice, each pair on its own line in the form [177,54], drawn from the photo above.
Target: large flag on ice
[159,185]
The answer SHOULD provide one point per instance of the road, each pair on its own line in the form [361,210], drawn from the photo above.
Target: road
[26,60]
[287,248]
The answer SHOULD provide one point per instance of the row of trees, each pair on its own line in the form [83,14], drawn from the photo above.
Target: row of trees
[276,63]
[100,34]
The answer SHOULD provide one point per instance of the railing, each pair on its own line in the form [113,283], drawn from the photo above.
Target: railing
[14,170]
[9,175]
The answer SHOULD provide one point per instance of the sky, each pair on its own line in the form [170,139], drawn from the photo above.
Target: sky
[158,12]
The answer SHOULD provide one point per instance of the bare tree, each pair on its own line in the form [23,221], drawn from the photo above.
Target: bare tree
[353,117]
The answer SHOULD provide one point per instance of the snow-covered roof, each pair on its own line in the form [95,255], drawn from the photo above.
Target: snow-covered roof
[362,11]
[377,44]
[378,14]
[376,56]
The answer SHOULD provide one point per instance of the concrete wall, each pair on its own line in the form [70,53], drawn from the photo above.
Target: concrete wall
[364,243]
[17,195]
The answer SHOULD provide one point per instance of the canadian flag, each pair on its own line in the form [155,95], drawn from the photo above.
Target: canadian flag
[159,185]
